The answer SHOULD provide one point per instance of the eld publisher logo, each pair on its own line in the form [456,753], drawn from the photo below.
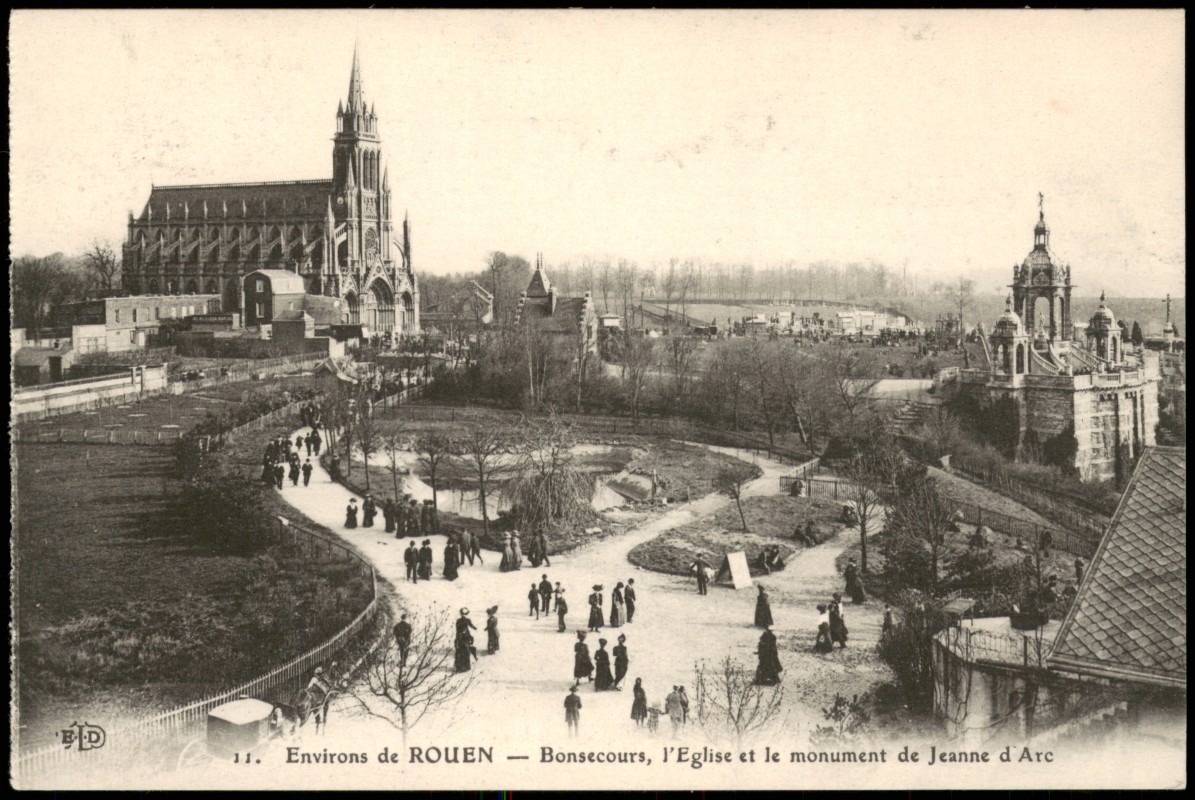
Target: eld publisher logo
[83,736]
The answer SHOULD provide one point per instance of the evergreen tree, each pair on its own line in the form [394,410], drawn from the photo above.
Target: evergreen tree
[1136,337]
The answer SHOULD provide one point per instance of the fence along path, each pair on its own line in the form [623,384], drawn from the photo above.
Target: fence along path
[125,742]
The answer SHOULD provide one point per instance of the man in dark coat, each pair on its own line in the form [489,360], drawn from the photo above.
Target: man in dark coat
[369,510]
[425,517]
[307,468]
[572,710]
[628,597]
[402,636]
[545,593]
[768,671]
[561,609]
[701,567]
[307,441]
[541,548]
[267,474]
[316,440]
[294,473]
[279,474]
[410,557]
[388,514]
[425,560]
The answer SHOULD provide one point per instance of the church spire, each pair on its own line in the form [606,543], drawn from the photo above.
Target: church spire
[356,98]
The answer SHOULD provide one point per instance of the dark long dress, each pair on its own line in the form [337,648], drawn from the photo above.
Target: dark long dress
[639,706]
[491,629]
[823,643]
[603,680]
[388,514]
[838,631]
[763,611]
[425,563]
[596,617]
[582,664]
[464,644]
[768,672]
[350,517]
[451,561]
[371,511]
[854,586]
[621,663]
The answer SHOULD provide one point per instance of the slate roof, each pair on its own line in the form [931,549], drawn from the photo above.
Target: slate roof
[281,281]
[307,199]
[567,318]
[1129,618]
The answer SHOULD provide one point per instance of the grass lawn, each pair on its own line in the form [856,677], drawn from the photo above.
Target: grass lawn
[119,617]
[770,520]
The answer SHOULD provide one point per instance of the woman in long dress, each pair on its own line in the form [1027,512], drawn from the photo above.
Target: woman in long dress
[582,664]
[639,704]
[603,680]
[451,560]
[763,609]
[350,514]
[516,554]
[596,618]
[823,643]
[618,608]
[621,661]
[838,631]
[768,671]
[370,510]
[508,555]
[491,630]
[465,652]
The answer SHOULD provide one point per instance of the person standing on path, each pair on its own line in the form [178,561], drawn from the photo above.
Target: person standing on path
[561,609]
[410,558]
[823,643]
[402,637]
[475,549]
[452,559]
[768,671]
[596,616]
[559,590]
[350,514]
[308,441]
[854,586]
[533,597]
[672,708]
[629,597]
[279,475]
[701,568]
[316,441]
[838,631]
[294,473]
[545,594]
[307,468]
[763,609]
[491,630]
[425,560]
[639,704]
[617,607]
[516,552]
[603,679]
[684,704]
[572,711]
[621,661]
[582,664]
[465,651]
[298,444]
[370,510]
[541,545]
[388,514]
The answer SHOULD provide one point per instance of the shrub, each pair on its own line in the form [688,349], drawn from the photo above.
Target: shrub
[907,648]
[223,510]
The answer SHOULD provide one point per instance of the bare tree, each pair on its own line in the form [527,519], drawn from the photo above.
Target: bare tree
[730,703]
[920,513]
[394,442]
[851,376]
[403,691]
[434,450]
[605,284]
[626,279]
[366,428]
[482,445]
[548,488]
[638,359]
[862,494]
[962,296]
[681,352]
[731,480]
[101,260]
[584,344]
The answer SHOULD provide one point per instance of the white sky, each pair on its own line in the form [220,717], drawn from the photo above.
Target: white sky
[754,136]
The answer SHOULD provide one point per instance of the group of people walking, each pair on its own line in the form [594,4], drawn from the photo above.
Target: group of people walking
[280,462]
[543,596]
[465,652]
[512,551]
[622,606]
[831,625]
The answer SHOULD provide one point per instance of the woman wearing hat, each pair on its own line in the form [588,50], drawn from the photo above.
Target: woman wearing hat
[639,704]
[596,618]
[763,609]
[516,554]
[491,630]
[350,514]
[618,609]
[768,671]
[370,509]
[507,554]
[604,680]
[582,664]
[465,651]
[621,661]
[823,643]
[838,631]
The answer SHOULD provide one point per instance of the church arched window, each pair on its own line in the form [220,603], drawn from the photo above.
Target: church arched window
[1020,359]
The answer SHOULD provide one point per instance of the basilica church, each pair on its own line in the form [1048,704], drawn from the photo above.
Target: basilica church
[1068,380]
[339,235]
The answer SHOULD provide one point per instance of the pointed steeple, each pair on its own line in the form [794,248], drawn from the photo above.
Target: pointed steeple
[349,180]
[386,178]
[356,99]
